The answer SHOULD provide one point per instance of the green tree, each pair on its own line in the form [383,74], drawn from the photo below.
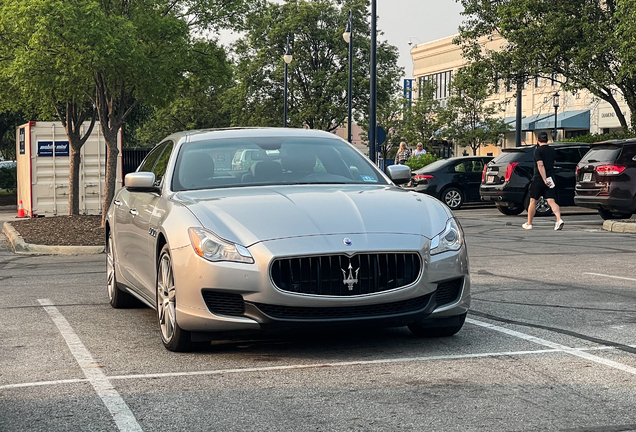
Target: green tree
[39,66]
[198,103]
[467,119]
[9,120]
[318,73]
[420,118]
[589,43]
[128,51]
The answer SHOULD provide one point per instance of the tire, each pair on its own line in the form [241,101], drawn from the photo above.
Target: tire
[174,338]
[118,298]
[543,208]
[510,211]
[453,198]
[422,330]
[606,214]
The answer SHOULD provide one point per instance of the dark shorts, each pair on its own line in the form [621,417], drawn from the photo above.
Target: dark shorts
[539,189]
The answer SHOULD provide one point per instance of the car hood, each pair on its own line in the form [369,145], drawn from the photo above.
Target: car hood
[249,215]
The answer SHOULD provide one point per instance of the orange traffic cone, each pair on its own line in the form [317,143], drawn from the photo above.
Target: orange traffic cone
[20,210]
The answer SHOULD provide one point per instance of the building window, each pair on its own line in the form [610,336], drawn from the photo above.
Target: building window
[554,79]
[536,82]
[442,82]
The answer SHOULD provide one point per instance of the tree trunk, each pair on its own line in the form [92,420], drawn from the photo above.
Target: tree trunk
[73,175]
[110,137]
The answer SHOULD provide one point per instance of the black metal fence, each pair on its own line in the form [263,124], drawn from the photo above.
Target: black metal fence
[132,158]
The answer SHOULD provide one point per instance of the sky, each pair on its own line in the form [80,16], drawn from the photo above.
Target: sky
[418,20]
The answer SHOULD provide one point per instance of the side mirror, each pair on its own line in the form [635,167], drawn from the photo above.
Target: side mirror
[140,181]
[400,174]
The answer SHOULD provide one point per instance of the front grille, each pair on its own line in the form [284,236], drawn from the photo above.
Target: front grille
[447,292]
[326,275]
[316,313]
[224,303]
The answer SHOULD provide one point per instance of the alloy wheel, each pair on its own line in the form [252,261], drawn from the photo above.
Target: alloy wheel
[453,198]
[110,269]
[543,206]
[166,298]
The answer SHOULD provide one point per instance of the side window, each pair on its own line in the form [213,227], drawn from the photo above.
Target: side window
[162,162]
[149,162]
[460,167]
[628,154]
[567,155]
[478,166]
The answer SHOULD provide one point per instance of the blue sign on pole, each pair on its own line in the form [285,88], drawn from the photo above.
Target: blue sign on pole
[408,88]
[45,148]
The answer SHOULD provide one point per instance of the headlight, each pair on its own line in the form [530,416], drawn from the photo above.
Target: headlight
[207,245]
[451,239]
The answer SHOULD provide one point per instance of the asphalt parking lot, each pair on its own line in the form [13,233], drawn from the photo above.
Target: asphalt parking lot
[550,345]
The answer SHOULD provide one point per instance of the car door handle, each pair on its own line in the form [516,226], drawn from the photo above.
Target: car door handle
[133,212]
[117,202]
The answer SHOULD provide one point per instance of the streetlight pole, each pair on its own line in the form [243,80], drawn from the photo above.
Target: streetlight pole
[287,58]
[372,107]
[555,103]
[348,37]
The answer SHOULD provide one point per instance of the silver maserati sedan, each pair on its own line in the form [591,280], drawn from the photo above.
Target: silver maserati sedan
[228,232]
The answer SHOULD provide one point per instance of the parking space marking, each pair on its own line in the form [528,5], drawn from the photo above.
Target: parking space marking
[123,416]
[307,366]
[569,350]
[610,276]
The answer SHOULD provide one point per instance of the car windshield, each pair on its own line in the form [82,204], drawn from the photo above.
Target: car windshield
[604,153]
[239,162]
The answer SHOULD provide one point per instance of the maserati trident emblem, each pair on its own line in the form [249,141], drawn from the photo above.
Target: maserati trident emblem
[347,241]
[350,280]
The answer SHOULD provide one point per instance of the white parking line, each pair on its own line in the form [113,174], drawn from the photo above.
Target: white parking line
[610,276]
[307,366]
[122,415]
[573,351]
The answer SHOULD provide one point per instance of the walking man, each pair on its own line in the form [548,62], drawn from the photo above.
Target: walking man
[542,184]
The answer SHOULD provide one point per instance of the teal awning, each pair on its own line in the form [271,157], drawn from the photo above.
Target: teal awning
[530,123]
[566,120]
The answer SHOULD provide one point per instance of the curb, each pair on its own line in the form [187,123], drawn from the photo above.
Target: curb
[621,226]
[21,247]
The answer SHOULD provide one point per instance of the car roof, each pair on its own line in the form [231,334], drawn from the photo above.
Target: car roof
[248,132]
[618,141]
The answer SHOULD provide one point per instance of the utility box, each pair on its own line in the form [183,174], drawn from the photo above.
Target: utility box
[42,154]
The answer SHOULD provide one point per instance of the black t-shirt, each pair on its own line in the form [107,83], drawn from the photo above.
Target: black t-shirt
[546,154]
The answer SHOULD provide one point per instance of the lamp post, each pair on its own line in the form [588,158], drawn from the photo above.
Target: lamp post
[348,37]
[555,103]
[287,58]
[372,107]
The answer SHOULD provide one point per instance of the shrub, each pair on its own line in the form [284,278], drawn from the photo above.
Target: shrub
[417,162]
[8,179]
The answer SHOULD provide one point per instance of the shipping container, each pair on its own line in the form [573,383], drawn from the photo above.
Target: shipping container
[42,154]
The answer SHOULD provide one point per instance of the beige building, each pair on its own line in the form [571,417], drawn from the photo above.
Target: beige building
[578,113]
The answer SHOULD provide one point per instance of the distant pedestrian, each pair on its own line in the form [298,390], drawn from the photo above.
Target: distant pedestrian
[403,154]
[419,150]
[542,183]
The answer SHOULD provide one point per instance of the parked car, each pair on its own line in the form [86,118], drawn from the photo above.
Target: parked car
[606,179]
[506,178]
[309,238]
[454,181]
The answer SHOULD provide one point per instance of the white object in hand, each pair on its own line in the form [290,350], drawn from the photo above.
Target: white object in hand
[549,182]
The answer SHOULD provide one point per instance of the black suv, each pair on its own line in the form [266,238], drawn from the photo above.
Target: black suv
[606,179]
[506,178]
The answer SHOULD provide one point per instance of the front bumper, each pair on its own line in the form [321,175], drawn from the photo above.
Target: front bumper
[268,308]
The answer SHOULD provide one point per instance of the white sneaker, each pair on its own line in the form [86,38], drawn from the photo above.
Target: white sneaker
[527,226]
[559,225]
